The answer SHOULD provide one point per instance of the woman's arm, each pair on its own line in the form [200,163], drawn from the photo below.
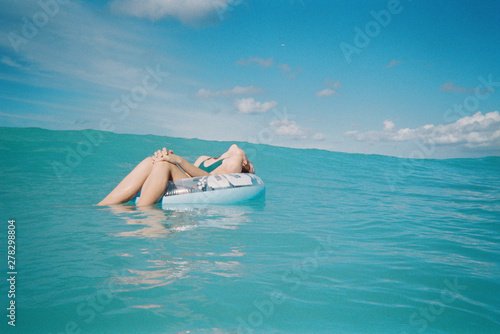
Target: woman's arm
[231,164]
[234,160]
[190,168]
[200,160]
[185,165]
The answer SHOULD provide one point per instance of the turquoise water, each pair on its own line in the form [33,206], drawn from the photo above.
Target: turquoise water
[344,243]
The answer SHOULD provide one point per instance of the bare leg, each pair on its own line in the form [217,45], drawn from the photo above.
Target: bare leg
[130,185]
[156,183]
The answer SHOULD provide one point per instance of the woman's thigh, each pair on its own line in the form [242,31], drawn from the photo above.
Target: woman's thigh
[177,173]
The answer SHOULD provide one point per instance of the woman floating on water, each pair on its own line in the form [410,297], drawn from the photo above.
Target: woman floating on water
[152,175]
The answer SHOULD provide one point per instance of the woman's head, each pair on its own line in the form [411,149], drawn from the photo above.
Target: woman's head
[247,167]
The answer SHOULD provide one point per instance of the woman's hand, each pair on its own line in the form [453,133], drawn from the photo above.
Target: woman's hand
[168,156]
[160,153]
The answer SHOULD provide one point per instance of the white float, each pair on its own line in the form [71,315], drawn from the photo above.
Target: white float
[214,189]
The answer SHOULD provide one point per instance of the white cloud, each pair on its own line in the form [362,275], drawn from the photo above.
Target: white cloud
[333,86]
[255,60]
[318,136]
[285,67]
[326,92]
[250,106]
[79,47]
[394,63]
[473,131]
[237,90]
[288,127]
[10,62]
[450,87]
[186,11]
[86,60]
[388,125]
[287,70]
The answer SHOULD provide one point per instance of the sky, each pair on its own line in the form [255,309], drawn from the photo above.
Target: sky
[412,79]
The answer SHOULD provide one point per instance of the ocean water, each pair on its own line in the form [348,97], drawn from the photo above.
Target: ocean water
[344,243]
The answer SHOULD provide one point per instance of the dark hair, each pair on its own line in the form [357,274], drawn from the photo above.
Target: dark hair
[248,169]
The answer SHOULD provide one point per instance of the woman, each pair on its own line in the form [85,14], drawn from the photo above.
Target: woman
[152,175]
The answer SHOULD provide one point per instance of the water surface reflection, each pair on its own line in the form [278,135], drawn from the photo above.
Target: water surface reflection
[178,244]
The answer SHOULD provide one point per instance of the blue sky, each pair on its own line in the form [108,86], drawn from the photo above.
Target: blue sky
[405,78]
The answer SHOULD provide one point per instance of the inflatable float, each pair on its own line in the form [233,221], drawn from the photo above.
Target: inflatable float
[214,189]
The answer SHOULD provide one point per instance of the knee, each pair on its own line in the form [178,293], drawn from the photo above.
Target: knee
[162,165]
[234,148]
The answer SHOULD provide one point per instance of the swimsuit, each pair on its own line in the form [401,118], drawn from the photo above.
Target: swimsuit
[212,167]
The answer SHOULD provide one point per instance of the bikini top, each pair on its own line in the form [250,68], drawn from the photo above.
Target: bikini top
[212,167]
